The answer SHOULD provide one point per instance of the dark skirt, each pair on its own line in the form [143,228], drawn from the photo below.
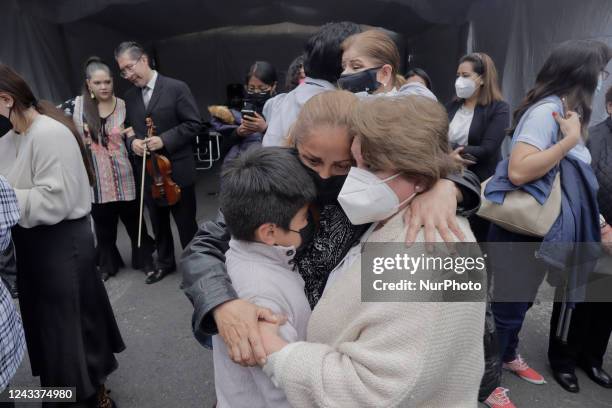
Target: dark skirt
[106,218]
[69,323]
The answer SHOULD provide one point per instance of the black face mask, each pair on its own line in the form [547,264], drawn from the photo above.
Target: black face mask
[307,233]
[364,81]
[328,188]
[256,100]
[5,124]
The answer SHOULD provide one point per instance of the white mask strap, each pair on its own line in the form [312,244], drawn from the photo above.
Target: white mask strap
[390,178]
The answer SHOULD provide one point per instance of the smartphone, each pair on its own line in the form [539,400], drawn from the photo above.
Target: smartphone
[248,112]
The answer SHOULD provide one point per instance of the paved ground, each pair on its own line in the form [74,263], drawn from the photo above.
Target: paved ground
[164,366]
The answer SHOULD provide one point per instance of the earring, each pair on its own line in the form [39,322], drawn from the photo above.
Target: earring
[93,96]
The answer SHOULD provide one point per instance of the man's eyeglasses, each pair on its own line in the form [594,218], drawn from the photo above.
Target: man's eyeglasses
[129,69]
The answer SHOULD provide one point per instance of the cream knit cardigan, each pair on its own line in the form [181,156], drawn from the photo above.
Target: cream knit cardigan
[400,354]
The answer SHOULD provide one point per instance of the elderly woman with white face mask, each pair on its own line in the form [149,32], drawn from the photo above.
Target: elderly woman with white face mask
[410,353]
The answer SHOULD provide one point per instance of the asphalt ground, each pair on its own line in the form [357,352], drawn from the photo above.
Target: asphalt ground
[164,366]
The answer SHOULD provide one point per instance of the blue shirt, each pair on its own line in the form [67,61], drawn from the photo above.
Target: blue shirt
[539,128]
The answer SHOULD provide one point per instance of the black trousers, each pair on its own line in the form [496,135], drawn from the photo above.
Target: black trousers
[588,337]
[480,228]
[69,325]
[184,214]
[106,217]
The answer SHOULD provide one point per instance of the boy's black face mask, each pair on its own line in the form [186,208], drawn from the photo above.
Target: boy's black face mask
[307,233]
[364,81]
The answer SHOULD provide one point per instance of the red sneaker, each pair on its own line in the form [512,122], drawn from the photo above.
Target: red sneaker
[519,367]
[499,399]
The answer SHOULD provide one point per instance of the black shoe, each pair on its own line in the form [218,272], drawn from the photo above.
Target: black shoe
[104,275]
[568,381]
[598,375]
[157,275]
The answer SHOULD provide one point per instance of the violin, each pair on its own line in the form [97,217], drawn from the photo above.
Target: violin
[164,190]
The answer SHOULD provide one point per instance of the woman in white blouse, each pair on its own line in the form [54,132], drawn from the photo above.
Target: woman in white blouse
[69,324]
[478,119]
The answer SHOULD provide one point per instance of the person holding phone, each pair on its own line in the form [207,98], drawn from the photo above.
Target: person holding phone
[478,115]
[478,120]
[260,86]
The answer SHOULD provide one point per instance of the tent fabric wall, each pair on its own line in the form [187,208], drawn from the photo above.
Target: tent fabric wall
[47,40]
[59,34]
[537,27]
[437,51]
[35,48]
[210,60]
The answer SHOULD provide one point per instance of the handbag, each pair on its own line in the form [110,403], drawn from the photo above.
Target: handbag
[521,213]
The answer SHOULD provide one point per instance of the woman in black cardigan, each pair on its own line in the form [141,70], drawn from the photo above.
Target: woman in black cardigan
[478,119]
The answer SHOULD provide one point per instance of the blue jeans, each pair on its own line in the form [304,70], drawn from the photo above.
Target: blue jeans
[517,275]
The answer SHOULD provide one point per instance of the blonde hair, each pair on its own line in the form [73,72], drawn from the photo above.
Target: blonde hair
[378,46]
[330,108]
[407,134]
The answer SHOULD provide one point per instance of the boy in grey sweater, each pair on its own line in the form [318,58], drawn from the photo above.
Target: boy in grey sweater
[265,195]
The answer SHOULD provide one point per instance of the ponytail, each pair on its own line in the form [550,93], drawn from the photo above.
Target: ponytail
[399,80]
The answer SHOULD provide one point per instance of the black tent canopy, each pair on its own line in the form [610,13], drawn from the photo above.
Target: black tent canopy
[210,44]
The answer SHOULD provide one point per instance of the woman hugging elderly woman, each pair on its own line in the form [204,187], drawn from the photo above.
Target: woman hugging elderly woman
[411,353]
[371,161]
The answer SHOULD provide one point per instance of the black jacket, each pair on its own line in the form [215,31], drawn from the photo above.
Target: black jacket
[486,134]
[205,279]
[600,146]
[177,121]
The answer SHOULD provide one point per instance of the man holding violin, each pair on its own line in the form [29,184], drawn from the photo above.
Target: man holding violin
[172,108]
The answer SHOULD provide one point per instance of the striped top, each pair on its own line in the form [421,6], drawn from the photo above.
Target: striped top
[114,173]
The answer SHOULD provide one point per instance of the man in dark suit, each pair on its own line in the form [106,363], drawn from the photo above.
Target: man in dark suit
[171,105]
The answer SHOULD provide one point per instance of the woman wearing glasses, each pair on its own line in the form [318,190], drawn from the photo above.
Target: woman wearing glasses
[248,126]
[99,117]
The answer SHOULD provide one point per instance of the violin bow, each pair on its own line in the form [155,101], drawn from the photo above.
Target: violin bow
[142,180]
